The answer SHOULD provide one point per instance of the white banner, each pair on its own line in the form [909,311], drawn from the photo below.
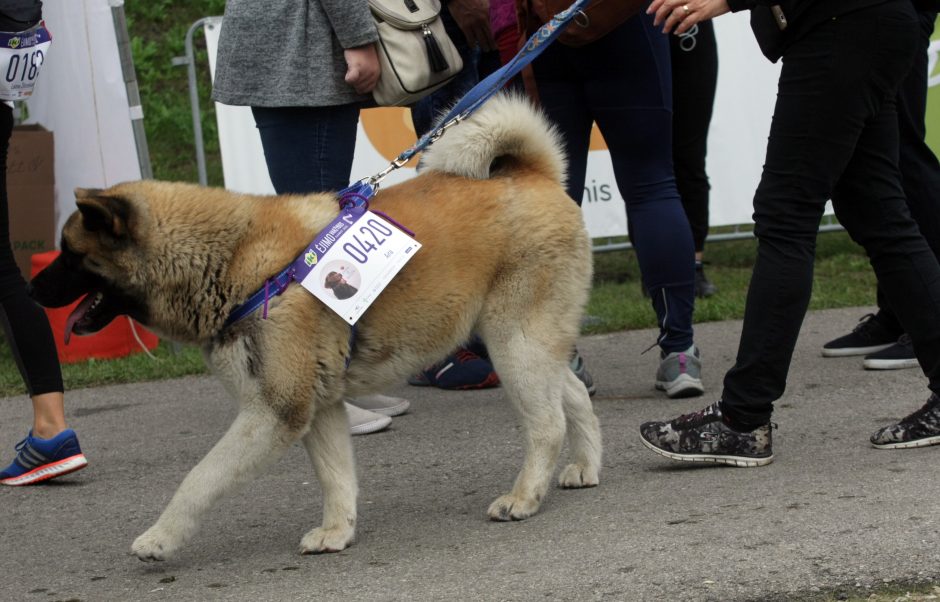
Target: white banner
[737,140]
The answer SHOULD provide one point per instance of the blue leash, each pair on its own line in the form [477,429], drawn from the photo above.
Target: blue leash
[356,197]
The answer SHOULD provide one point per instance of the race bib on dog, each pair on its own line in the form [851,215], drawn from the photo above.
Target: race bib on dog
[353,259]
[21,56]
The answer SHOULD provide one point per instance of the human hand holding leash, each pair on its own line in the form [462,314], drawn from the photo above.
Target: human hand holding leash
[362,68]
[678,16]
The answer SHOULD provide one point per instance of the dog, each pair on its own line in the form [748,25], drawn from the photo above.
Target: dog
[505,255]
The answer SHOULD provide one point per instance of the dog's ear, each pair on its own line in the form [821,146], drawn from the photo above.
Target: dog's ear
[101,213]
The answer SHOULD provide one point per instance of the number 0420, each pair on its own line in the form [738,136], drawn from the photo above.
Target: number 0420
[359,249]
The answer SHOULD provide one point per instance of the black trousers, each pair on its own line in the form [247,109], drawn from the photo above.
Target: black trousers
[25,324]
[834,135]
[920,170]
[694,57]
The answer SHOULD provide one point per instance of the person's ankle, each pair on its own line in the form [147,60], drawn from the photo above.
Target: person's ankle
[736,424]
[47,430]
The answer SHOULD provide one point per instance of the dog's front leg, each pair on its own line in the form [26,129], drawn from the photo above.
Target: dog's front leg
[255,440]
[330,449]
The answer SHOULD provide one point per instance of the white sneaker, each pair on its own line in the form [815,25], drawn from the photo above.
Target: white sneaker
[381,404]
[363,422]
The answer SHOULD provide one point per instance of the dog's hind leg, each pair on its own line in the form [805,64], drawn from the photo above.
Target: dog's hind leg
[330,448]
[529,376]
[254,441]
[584,436]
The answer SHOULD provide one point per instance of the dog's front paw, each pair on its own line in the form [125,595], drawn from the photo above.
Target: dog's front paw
[154,544]
[321,540]
[575,476]
[512,507]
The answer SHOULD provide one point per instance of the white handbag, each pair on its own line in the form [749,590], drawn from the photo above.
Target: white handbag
[415,53]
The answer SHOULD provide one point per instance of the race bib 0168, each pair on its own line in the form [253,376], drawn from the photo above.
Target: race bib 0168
[21,56]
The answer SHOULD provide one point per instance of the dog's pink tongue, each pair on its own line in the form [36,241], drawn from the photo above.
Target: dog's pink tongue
[76,315]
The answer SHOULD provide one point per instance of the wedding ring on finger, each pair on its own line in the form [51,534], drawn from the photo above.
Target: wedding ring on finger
[685,9]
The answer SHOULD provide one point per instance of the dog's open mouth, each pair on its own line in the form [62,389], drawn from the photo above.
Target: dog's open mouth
[91,315]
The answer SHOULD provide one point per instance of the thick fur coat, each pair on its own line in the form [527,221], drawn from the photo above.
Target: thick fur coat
[505,255]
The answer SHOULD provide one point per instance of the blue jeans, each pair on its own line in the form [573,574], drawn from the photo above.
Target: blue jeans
[623,82]
[834,135]
[308,149]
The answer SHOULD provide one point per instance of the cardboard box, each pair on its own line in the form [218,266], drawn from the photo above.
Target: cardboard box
[31,193]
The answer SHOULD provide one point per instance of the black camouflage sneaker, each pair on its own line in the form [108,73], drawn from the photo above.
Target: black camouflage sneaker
[897,356]
[868,337]
[920,429]
[704,437]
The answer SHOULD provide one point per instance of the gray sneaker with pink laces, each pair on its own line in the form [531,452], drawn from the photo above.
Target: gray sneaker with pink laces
[680,373]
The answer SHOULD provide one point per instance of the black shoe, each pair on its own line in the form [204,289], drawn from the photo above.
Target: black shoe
[868,337]
[703,286]
[704,437]
[920,429]
[897,356]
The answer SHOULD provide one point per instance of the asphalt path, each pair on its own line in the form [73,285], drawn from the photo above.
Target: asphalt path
[830,514]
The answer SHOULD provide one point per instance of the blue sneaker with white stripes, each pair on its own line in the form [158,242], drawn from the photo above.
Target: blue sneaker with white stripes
[42,459]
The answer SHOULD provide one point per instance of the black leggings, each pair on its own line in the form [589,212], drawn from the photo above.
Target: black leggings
[25,323]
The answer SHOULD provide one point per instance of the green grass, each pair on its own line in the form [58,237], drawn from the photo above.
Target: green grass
[843,279]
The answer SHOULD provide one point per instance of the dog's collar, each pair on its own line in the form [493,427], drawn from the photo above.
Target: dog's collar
[356,197]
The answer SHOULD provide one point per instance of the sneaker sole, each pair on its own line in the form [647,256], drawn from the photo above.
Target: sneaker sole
[876,364]
[390,411]
[683,386]
[850,351]
[736,461]
[395,410]
[373,426]
[926,442]
[48,471]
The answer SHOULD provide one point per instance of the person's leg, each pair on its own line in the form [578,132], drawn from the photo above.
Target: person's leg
[839,78]
[832,83]
[308,149]
[30,339]
[920,175]
[630,99]
[694,57]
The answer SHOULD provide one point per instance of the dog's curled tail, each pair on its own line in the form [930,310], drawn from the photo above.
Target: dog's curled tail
[505,125]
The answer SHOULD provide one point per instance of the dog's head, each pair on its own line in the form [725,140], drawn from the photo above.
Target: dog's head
[97,242]
[333,279]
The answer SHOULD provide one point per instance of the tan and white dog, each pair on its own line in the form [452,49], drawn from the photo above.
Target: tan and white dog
[505,255]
